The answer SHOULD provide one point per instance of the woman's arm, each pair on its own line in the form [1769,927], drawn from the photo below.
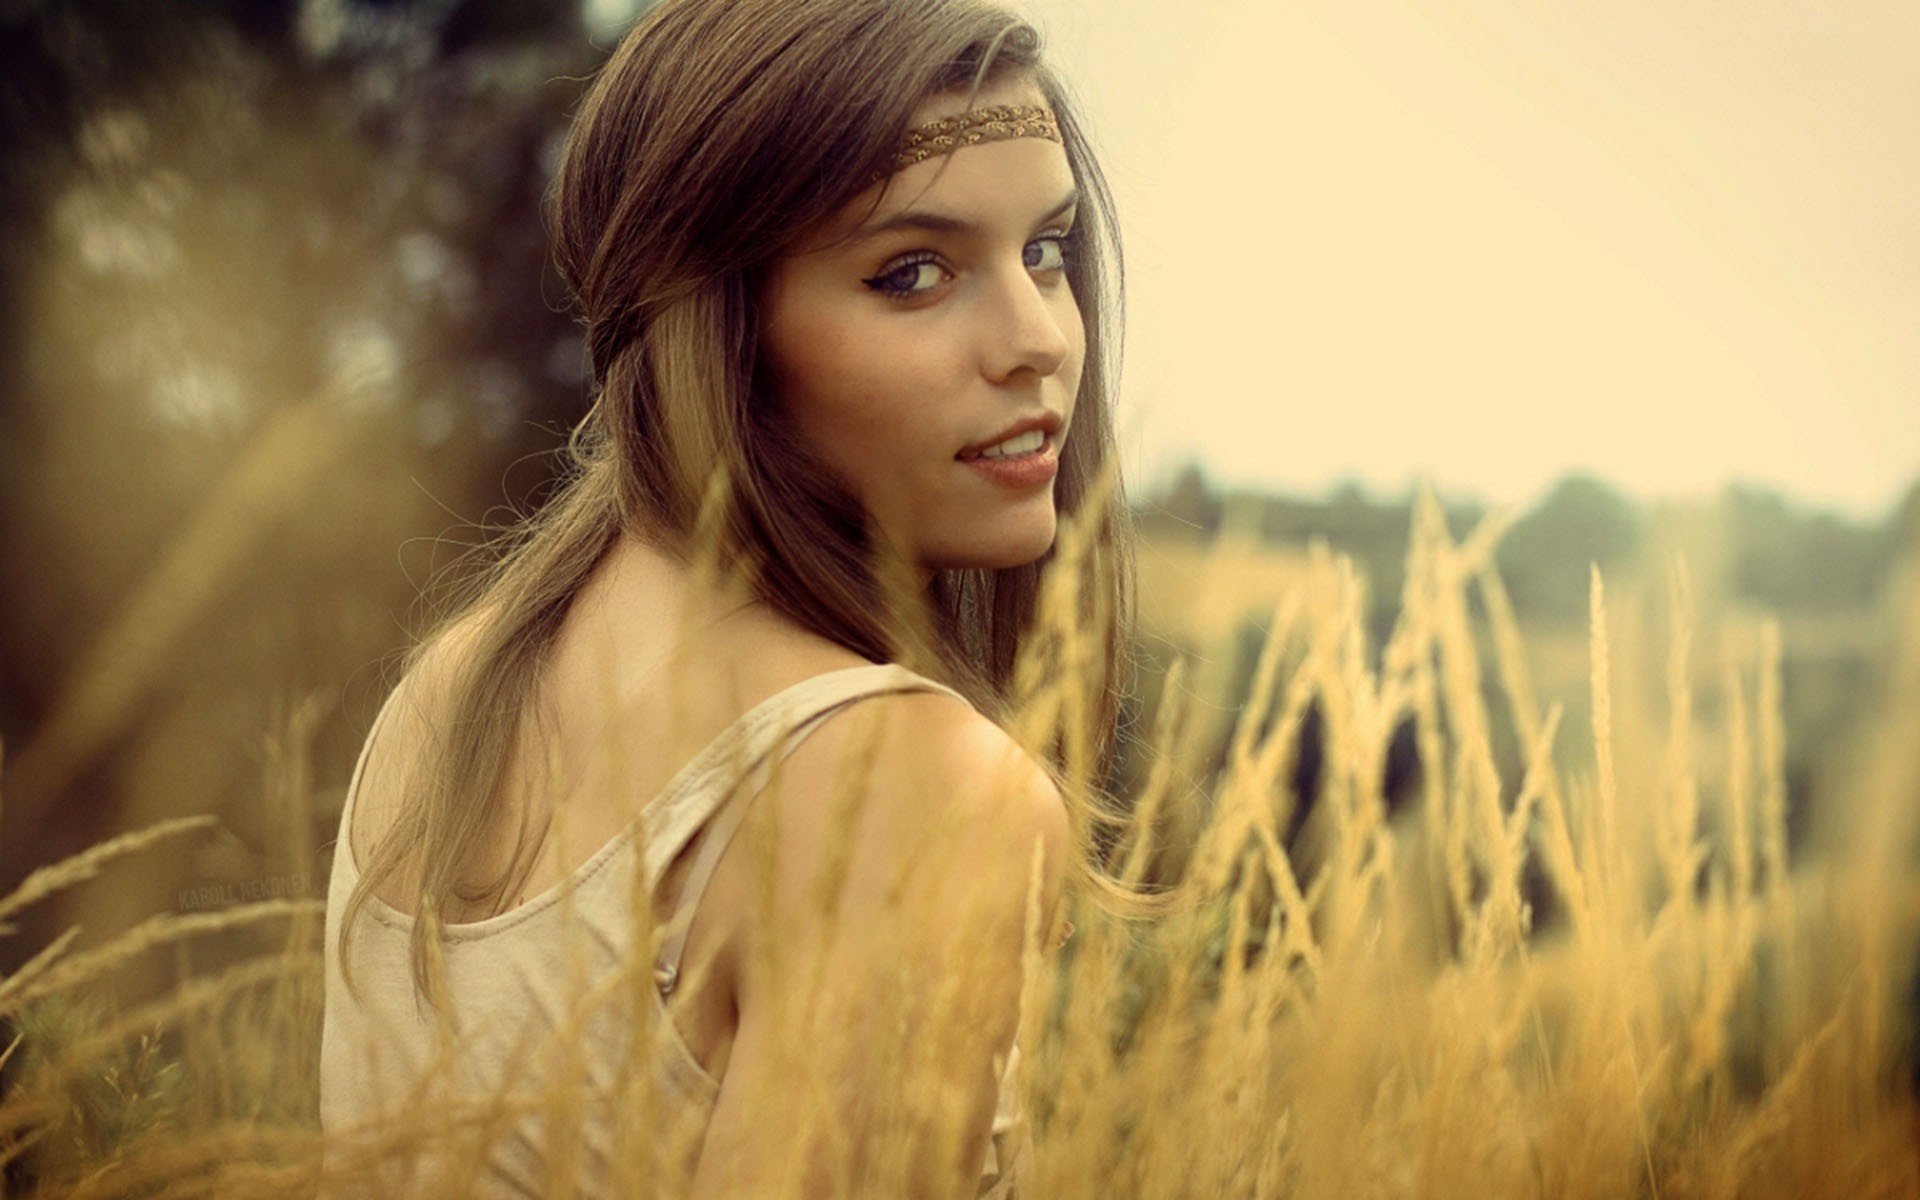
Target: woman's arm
[883,1081]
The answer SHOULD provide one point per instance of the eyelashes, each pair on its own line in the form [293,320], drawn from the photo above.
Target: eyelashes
[897,282]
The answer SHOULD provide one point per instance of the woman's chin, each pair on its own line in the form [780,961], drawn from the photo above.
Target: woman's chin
[1016,549]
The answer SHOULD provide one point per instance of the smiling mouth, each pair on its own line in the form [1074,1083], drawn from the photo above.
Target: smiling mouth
[1023,472]
[1048,443]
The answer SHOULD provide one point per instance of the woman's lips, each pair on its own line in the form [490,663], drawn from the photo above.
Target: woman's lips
[1020,471]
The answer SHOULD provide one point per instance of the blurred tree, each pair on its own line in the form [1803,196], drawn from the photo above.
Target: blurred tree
[1544,557]
[1788,559]
[1189,506]
[214,218]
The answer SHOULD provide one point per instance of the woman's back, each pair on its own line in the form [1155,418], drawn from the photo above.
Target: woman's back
[636,713]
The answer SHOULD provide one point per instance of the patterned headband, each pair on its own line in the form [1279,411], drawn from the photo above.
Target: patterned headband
[991,124]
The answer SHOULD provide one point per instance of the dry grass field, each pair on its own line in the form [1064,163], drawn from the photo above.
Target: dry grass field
[1374,1011]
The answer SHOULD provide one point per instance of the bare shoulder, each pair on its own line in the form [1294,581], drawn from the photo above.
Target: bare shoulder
[928,761]
[883,967]
[903,803]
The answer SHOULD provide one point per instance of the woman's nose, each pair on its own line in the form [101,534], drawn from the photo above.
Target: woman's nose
[1023,326]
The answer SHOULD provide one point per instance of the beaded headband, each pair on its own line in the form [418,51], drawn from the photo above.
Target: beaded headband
[994,123]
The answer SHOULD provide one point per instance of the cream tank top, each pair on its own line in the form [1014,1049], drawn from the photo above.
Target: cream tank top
[508,978]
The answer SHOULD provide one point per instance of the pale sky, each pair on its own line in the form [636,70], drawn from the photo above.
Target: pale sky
[1673,242]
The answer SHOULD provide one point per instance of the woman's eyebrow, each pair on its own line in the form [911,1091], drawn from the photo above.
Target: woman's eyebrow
[941,223]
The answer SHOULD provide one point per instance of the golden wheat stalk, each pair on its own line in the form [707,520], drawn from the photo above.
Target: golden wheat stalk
[83,866]
[155,931]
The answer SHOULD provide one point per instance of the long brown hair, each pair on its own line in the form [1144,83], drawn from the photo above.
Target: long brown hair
[716,132]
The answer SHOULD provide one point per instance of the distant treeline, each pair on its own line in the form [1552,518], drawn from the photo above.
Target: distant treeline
[1771,553]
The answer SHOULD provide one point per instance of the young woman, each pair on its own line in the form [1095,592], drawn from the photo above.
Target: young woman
[841,263]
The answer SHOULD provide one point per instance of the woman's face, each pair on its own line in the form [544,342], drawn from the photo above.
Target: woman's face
[943,321]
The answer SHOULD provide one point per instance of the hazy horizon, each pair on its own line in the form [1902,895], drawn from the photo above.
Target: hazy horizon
[1387,492]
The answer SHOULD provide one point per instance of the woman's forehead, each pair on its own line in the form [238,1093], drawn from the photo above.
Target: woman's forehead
[985,187]
[933,183]
[983,183]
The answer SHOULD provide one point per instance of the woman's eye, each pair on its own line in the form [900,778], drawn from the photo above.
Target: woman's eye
[1036,258]
[900,282]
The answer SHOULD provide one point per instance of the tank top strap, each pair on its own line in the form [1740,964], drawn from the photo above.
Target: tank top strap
[737,767]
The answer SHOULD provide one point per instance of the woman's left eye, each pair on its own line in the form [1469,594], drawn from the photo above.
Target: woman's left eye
[1062,244]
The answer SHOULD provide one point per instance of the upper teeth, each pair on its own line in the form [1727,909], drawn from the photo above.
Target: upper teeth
[1023,444]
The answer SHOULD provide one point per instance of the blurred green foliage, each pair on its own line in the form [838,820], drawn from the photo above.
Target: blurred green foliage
[1781,556]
